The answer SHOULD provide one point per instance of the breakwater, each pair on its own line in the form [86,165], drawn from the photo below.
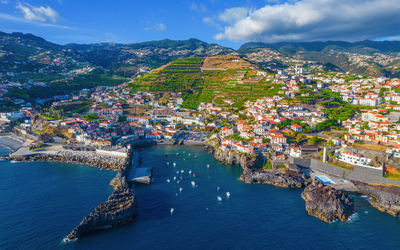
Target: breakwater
[118,209]
[89,158]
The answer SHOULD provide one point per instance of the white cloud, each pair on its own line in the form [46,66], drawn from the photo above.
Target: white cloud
[4,1]
[198,8]
[41,13]
[160,27]
[233,14]
[311,20]
[210,21]
[18,19]
[394,38]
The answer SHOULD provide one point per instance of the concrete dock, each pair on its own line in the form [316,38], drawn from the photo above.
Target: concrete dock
[138,174]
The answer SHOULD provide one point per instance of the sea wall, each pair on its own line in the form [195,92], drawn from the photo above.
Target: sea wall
[287,178]
[90,158]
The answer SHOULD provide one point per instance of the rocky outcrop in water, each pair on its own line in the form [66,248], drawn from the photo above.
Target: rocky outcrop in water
[119,208]
[93,159]
[326,203]
[287,178]
[385,198]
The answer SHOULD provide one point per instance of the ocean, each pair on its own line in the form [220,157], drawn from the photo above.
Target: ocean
[43,202]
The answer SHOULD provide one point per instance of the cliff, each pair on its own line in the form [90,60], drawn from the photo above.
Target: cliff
[326,203]
[385,198]
[38,123]
[231,156]
[283,178]
[119,208]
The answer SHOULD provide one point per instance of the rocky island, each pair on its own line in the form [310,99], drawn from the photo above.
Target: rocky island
[385,198]
[326,203]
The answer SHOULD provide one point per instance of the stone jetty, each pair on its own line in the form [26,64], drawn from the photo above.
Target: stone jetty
[119,208]
[385,198]
[326,203]
[89,158]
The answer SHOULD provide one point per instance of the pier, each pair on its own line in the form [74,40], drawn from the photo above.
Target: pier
[137,174]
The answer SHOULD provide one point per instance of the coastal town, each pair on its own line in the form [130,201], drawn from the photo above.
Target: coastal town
[306,125]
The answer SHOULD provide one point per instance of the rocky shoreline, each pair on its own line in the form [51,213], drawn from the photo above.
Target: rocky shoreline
[326,203]
[385,198]
[280,178]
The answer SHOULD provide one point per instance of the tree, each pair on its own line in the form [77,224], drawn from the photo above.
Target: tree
[313,140]
[299,137]
[331,144]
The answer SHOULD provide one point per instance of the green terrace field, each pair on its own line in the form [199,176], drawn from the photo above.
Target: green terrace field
[196,86]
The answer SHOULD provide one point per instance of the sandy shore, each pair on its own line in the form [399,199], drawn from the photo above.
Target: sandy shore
[10,143]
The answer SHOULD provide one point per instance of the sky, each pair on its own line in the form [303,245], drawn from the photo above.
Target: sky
[228,23]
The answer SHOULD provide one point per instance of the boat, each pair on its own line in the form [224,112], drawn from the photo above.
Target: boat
[174,164]
[177,172]
[189,154]
[172,210]
[190,171]
[166,154]
[177,154]
[195,156]
[218,189]
[167,163]
[14,161]
[208,166]
[228,194]
[219,198]
[66,240]
[174,178]
[193,183]
[168,180]
[183,151]
[194,175]
[182,171]
[180,190]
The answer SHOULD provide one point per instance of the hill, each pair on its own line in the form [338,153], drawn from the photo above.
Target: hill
[364,57]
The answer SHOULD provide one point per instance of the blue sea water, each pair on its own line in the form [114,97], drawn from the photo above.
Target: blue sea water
[43,202]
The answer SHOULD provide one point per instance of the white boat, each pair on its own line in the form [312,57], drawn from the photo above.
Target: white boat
[183,151]
[193,183]
[182,171]
[167,163]
[174,178]
[219,198]
[177,154]
[168,180]
[228,194]
[174,164]
[180,190]
[190,171]
[208,166]
[172,210]
[189,154]
[14,161]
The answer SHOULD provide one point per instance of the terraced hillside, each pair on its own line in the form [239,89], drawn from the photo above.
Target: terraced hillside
[215,85]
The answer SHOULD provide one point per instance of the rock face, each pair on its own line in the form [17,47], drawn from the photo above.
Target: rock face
[38,123]
[119,208]
[326,203]
[385,198]
[283,178]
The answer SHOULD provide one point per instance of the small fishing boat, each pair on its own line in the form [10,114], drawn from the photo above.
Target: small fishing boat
[189,154]
[219,198]
[190,171]
[177,172]
[182,171]
[174,178]
[177,154]
[194,175]
[228,194]
[208,166]
[168,180]
[180,190]
[167,163]
[174,164]
[183,151]
[172,210]
[193,183]
[14,161]
[195,156]
[218,189]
